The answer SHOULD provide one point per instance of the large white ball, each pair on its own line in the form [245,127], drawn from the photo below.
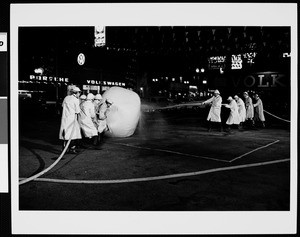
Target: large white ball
[123,116]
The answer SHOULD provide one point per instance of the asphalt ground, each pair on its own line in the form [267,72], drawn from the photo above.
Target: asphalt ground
[171,163]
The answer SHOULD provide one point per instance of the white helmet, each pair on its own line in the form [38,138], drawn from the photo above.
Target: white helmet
[98,97]
[70,87]
[230,98]
[108,101]
[83,97]
[76,89]
[217,92]
[90,96]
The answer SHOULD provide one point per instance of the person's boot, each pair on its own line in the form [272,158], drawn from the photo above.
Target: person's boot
[209,127]
[95,140]
[72,150]
[81,144]
[220,128]
[240,126]
[228,130]
[100,138]
[252,124]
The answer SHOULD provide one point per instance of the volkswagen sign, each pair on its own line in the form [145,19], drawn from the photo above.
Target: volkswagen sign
[81,59]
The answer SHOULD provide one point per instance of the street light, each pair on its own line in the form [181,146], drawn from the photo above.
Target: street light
[39,71]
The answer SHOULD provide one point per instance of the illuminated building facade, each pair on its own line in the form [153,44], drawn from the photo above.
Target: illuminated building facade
[171,62]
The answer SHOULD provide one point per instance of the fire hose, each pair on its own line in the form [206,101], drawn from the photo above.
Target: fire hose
[277,117]
[51,166]
[200,103]
[179,106]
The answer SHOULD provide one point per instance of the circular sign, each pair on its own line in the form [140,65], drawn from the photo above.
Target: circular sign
[81,59]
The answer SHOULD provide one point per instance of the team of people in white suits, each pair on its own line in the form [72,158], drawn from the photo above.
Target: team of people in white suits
[83,116]
[240,111]
[92,117]
[86,115]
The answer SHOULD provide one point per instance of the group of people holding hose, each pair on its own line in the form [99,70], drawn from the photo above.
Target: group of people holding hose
[241,112]
[83,116]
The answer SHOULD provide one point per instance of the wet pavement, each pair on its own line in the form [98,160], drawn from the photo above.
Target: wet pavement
[214,168]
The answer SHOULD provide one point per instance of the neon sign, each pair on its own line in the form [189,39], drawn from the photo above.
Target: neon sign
[216,62]
[105,83]
[249,57]
[236,61]
[262,80]
[50,78]
[100,39]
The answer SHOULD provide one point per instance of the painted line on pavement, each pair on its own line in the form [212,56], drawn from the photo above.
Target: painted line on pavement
[259,148]
[162,177]
[202,157]
[204,133]
[168,151]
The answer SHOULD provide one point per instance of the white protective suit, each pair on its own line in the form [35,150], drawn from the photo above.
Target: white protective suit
[241,109]
[86,118]
[249,108]
[234,117]
[259,110]
[69,116]
[124,113]
[214,114]
[96,104]
[102,125]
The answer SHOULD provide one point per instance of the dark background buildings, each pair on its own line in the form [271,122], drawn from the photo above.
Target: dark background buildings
[175,63]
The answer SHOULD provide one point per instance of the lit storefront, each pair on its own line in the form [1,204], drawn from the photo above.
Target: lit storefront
[97,86]
[54,87]
[49,88]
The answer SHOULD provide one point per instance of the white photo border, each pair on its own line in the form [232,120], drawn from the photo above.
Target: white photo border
[152,14]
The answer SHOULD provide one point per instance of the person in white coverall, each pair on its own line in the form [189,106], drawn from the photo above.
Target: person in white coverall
[97,102]
[259,111]
[233,117]
[82,98]
[101,118]
[241,109]
[87,119]
[69,120]
[249,110]
[214,115]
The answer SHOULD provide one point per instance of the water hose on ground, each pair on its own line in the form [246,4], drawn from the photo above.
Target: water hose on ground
[277,117]
[51,166]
